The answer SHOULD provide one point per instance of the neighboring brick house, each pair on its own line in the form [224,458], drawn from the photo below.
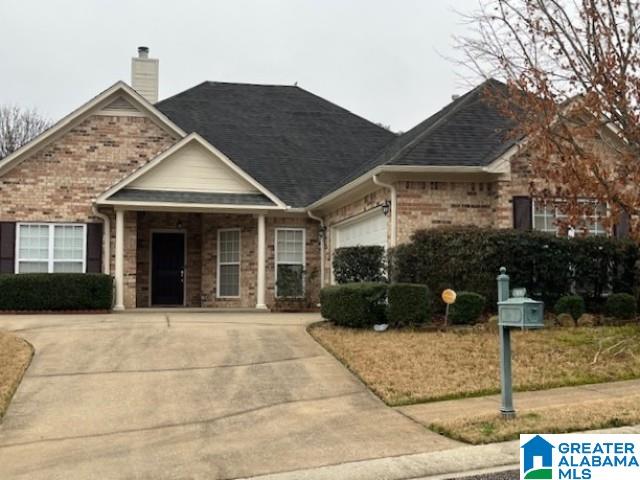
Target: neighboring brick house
[204,199]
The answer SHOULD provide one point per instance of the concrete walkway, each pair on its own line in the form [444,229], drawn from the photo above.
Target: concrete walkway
[426,413]
[190,396]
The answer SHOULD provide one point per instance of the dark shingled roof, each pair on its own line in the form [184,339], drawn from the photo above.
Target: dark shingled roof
[293,142]
[135,195]
[470,131]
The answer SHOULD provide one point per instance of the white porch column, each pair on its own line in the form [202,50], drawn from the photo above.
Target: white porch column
[262,260]
[119,263]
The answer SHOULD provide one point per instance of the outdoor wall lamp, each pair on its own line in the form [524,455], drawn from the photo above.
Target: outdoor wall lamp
[386,207]
[322,232]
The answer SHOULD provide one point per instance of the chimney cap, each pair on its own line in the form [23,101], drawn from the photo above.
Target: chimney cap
[143,52]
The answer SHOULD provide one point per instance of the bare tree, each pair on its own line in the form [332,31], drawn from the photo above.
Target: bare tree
[572,69]
[18,126]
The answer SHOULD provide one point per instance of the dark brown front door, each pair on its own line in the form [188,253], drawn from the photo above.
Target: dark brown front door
[167,268]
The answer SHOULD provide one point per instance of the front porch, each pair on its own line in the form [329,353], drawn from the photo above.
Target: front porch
[189,259]
[191,229]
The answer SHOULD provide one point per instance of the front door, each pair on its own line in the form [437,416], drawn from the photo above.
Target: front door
[167,268]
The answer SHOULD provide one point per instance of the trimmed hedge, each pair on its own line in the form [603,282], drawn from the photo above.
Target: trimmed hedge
[547,266]
[409,304]
[621,305]
[467,308]
[359,264]
[570,304]
[357,305]
[56,291]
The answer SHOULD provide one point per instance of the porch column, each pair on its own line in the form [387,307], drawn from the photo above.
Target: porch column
[119,261]
[262,267]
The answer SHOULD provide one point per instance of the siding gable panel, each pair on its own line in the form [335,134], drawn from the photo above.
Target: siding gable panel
[193,169]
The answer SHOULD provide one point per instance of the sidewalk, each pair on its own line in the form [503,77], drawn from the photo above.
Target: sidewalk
[447,464]
[426,413]
[464,460]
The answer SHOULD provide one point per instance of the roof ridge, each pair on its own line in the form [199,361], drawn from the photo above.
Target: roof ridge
[216,82]
[247,84]
[339,107]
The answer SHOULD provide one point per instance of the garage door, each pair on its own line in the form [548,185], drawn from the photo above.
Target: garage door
[368,230]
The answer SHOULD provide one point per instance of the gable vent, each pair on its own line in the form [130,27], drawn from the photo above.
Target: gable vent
[120,107]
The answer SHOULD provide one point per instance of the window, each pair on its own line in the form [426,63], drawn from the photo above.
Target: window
[289,262]
[545,216]
[50,248]
[228,263]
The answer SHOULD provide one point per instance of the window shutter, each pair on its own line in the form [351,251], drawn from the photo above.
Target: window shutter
[7,247]
[94,247]
[522,213]
[621,228]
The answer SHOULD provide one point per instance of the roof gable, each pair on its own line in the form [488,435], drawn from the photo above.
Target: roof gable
[193,168]
[467,133]
[294,143]
[192,165]
[120,93]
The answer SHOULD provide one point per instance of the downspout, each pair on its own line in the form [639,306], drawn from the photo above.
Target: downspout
[106,239]
[322,234]
[394,209]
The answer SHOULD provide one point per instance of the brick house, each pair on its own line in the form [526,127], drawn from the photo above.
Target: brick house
[204,199]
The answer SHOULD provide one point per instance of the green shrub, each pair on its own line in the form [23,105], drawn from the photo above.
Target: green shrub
[409,304]
[358,305]
[621,305]
[470,258]
[359,264]
[56,291]
[571,304]
[467,308]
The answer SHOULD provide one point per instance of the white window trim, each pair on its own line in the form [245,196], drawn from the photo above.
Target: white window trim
[572,230]
[50,260]
[304,259]
[239,263]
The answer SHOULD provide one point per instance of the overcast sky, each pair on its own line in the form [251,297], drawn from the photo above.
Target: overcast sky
[382,59]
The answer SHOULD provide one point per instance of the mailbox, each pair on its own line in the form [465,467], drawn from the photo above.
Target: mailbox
[520,311]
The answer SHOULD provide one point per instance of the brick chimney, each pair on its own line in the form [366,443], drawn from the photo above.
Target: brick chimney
[144,75]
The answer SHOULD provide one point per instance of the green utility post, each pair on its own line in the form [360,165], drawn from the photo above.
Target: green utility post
[506,407]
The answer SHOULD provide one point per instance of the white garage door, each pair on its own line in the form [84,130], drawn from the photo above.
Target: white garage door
[369,230]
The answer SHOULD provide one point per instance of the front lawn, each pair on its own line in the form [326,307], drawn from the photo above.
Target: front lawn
[404,367]
[15,356]
[594,415]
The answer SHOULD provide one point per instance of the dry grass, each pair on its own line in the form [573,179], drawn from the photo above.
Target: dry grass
[586,416]
[404,367]
[15,356]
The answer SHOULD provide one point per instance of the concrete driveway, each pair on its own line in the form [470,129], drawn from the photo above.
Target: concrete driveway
[189,396]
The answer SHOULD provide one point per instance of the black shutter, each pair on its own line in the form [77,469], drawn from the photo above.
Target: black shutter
[522,213]
[7,247]
[621,228]
[94,247]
